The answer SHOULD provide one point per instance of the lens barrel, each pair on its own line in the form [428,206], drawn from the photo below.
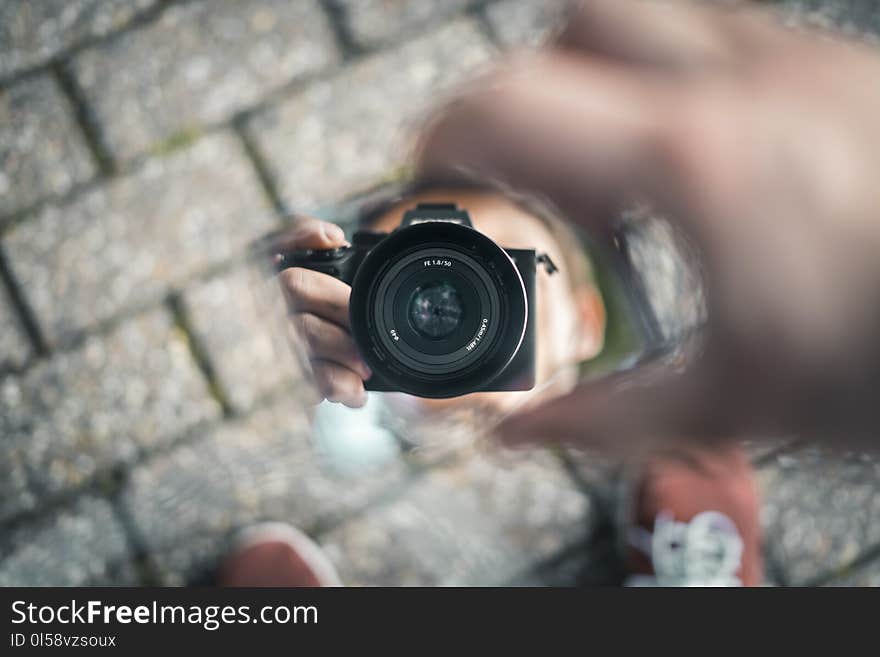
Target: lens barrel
[438,309]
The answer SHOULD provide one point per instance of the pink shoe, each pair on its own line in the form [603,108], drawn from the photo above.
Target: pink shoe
[693,520]
[276,554]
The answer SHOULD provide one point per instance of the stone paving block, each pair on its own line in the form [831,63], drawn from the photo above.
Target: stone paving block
[853,17]
[97,406]
[15,494]
[669,272]
[764,450]
[187,503]
[524,22]
[820,511]
[80,545]
[592,563]
[199,63]
[35,31]
[482,522]
[373,22]
[595,471]
[15,348]
[232,318]
[345,134]
[42,152]
[123,244]
[867,574]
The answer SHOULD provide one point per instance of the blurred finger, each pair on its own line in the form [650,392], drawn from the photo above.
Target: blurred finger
[311,233]
[316,293]
[628,415]
[329,341]
[664,35]
[583,133]
[676,35]
[339,384]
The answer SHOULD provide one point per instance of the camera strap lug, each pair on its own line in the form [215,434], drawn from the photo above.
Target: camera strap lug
[545,260]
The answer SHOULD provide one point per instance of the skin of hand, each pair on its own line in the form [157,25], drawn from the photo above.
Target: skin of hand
[570,322]
[762,144]
[318,306]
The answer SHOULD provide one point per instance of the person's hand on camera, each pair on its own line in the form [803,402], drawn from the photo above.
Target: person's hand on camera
[762,143]
[318,306]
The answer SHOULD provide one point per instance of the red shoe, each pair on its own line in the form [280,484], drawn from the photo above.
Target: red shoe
[696,521]
[276,554]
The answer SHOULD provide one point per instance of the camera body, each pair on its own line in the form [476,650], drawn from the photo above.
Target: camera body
[437,309]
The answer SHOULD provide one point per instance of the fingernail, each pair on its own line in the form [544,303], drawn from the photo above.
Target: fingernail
[334,233]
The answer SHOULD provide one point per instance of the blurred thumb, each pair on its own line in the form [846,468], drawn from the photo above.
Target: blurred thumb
[626,414]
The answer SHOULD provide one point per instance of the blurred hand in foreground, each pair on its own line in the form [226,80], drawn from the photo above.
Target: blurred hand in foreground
[762,144]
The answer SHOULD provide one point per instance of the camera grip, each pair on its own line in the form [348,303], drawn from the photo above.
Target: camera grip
[325,261]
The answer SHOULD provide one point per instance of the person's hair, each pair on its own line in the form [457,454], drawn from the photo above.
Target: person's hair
[576,263]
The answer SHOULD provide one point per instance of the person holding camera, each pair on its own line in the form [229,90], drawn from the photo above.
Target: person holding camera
[695,513]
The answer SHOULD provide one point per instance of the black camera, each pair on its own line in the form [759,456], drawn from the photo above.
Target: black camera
[437,308]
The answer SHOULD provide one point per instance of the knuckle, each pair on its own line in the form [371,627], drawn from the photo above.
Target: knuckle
[297,281]
[299,222]
[328,377]
[323,377]
[331,384]
[302,226]
[348,348]
[305,231]
[308,325]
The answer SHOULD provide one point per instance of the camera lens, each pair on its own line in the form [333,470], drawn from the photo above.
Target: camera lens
[438,310]
[435,309]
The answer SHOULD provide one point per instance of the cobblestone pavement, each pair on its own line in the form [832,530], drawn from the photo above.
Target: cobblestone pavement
[143,417]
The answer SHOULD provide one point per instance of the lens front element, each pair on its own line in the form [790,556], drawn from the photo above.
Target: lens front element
[435,309]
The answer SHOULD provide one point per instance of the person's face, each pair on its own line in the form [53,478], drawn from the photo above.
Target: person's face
[570,322]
